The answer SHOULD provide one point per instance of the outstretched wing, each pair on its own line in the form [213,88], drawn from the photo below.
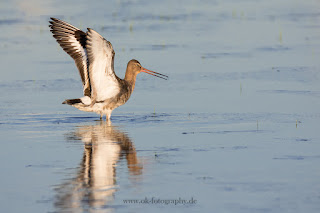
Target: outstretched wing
[104,82]
[73,41]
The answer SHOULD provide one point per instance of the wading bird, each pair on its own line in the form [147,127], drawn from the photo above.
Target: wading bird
[94,57]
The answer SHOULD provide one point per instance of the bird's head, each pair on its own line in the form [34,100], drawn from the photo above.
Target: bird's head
[134,67]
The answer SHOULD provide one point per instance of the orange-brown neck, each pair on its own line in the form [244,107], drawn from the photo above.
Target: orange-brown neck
[130,78]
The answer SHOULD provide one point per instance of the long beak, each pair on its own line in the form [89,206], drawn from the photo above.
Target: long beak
[159,75]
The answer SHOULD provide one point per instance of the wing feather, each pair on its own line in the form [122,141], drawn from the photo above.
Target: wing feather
[73,41]
[104,82]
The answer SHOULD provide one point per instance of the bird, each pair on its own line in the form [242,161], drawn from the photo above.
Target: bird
[103,90]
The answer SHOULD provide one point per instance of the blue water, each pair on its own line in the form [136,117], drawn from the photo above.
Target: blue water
[234,129]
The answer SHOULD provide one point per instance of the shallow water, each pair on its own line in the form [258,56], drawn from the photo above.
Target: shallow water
[234,129]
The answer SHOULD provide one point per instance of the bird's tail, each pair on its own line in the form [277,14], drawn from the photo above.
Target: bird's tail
[72,101]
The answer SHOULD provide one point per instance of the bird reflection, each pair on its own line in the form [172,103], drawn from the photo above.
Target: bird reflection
[94,185]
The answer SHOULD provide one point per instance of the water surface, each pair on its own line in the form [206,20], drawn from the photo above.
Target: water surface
[234,129]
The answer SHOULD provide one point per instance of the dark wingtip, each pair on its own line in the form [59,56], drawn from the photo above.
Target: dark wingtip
[54,19]
[65,102]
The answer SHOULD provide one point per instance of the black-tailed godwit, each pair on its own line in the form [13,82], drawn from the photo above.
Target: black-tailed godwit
[94,57]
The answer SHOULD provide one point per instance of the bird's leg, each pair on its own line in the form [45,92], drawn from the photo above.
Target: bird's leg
[101,117]
[108,120]
[108,115]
